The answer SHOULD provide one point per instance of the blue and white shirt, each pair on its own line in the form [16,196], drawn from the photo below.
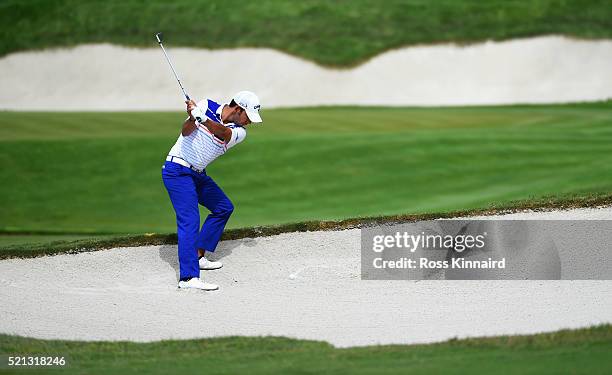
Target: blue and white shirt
[201,147]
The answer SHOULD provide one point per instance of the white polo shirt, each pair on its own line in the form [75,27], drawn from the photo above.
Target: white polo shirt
[201,147]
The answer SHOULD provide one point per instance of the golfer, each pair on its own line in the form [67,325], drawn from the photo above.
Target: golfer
[209,132]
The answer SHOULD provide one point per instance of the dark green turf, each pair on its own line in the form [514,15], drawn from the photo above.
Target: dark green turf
[329,32]
[100,172]
[30,240]
[583,351]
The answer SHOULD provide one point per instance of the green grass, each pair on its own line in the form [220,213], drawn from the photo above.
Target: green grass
[337,33]
[28,240]
[100,173]
[582,351]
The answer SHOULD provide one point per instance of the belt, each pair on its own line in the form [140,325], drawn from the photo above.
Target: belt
[177,160]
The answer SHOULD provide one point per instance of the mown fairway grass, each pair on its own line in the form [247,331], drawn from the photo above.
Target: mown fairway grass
[584,351]
[338,33]
[99,173]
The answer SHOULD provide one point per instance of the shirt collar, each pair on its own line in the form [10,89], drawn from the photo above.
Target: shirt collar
[219,110]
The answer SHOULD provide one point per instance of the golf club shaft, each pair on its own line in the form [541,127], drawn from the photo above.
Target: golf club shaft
[172,67]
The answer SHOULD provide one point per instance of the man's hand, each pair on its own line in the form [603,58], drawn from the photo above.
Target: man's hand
[191,105]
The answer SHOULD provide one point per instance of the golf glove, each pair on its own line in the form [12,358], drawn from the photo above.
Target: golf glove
[199,114]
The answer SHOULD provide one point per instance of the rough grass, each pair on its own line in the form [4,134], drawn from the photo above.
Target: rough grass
[581,351]
[336,33]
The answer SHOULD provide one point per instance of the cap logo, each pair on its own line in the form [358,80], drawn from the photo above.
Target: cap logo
[257,107]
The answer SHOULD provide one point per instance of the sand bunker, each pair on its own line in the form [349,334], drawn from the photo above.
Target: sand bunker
[130,294]
[104,77]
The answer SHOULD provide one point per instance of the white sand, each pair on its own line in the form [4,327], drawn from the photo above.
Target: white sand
[549,69]
[130,294]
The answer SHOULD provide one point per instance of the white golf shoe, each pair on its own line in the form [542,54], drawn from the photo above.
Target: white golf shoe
[206,264]
[197,283]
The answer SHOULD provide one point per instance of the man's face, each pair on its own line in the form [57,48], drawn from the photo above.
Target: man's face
[241,117]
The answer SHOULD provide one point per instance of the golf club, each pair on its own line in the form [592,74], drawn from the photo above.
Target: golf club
[159,36]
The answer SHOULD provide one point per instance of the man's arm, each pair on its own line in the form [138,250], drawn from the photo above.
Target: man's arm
[190,125]
[218,130]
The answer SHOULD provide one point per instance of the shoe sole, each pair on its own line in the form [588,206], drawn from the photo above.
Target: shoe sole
[205,290]
[211,269]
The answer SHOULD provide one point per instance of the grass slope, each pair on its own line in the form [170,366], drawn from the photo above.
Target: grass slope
[99,173]
[335,33]
[582,351]
[28,245]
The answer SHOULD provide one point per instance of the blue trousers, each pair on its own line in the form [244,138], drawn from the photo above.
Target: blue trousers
[187,189]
